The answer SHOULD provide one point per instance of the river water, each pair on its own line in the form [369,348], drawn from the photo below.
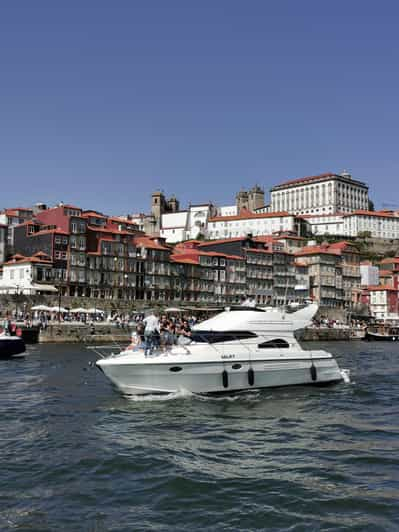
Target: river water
[76,455]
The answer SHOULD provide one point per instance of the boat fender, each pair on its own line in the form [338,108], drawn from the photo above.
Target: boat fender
[313,372]
[251,377]
[225,379]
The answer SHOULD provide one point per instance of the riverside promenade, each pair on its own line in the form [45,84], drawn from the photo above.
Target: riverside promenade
[105,333]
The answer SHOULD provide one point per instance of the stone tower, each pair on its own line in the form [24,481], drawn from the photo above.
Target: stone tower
[242,200]
[158,206]
[256,198]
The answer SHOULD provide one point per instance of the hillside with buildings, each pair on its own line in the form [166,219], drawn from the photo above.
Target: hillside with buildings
[317,239]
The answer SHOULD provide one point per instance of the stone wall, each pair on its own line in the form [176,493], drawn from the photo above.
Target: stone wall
[80,334]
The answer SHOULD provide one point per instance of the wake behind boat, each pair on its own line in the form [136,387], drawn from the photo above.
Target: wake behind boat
[239,349]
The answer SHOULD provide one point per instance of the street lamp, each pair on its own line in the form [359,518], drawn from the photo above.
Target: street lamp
[59,303]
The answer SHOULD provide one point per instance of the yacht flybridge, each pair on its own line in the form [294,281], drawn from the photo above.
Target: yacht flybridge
[239,349]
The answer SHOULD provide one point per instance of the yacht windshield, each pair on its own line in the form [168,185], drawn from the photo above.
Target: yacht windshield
[213,337]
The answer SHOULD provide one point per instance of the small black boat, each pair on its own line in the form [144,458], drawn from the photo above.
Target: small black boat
[382,333]
[11,346]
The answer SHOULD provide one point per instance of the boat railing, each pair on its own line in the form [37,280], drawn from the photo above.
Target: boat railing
[220,340]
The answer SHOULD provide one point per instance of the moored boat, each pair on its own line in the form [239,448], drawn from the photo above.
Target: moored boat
[11,346]
[238,349]
[382,333]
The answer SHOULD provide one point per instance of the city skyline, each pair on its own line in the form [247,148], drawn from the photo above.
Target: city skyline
[200,101]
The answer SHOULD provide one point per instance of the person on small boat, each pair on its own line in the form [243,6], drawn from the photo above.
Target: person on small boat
[184,333]
[151,332]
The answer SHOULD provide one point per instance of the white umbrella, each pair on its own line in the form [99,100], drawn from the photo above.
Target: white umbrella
[79,311]
[95,311]
[41,307]
[58,309]
[173,309]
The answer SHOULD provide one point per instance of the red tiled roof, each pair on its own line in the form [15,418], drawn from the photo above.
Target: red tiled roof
[15,211]
[68,206]
[255,250]
[247,215]
[331,215]
[183,260]
[393,260]
[100,229]
[222,241]
[378,214]
[120,220]
[49,231]
[93,214]
[312,178]
[20,259]
[316,250]
[150,243]
[381,287]
[217,254]
[385,273]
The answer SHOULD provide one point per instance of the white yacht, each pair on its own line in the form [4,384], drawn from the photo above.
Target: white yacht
[239,349]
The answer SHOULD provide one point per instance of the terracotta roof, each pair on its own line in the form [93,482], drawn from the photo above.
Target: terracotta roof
[95,214]
[248,215]
[321,215]
[15,211]
[312,178]
[67,206]
[217,254]
[381,287]
[20,259]
[100,229]
[255,250]
[222,241]
[184,260]
[317,250]
[393,260]
[120,220]
[378,214]
[150,243]
[385,273]
[49,231]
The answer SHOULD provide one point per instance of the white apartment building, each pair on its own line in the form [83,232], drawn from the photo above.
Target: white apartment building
[384,302]
[27,275]
[3,242]
[173,226]
[325,224]
[369,274]
[227,210]
[380,224]
[321,194]
[186,225]
[249,223]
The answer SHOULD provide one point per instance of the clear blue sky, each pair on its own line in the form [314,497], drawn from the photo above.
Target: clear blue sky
[101,102]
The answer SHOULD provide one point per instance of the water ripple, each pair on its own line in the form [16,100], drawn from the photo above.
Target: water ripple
[78,456]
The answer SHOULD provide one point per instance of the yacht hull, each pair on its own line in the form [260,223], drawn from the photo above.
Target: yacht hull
[217,377]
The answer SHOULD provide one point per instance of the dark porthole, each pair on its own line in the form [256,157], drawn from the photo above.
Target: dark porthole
[236,366]
[175,369]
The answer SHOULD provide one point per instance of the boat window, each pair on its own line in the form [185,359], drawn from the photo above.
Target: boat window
[278,343]
[175,369]
[236,366]
[213,337]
